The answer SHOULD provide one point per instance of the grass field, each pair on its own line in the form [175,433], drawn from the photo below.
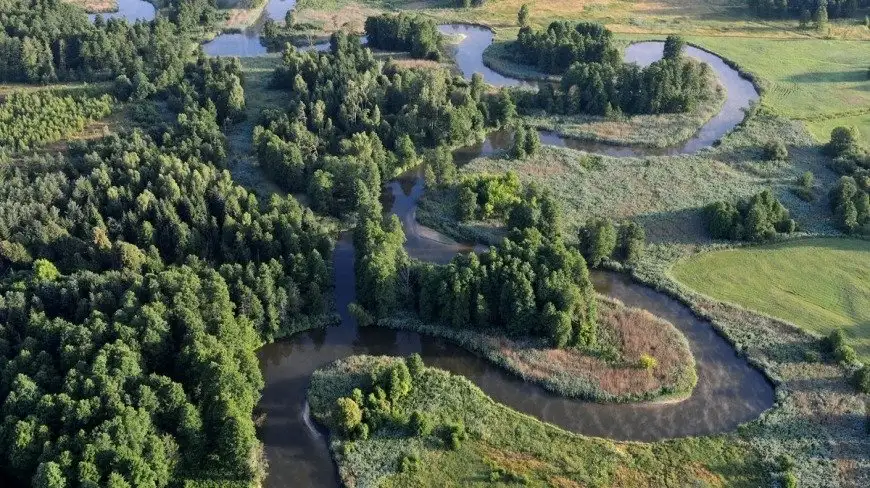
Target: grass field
[818,284]
[813,80]
[513,449]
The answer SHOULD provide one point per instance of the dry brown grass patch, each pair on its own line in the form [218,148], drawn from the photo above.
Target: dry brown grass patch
[350,17]
[95,6]
[636,333]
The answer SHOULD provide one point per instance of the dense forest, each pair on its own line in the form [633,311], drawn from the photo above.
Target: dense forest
[353,122]
[42,41]
[565,43]
[136,281]
[28,120]
[402,32]
[529,285]
[591,85]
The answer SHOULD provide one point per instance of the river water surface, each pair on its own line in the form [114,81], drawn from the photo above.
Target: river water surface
[132,10]
[729,390]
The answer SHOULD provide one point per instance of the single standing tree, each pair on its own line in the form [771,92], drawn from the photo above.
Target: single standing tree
[523,15]
[674,45]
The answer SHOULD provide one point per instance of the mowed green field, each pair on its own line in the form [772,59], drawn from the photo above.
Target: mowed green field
[822,82]
[818,284]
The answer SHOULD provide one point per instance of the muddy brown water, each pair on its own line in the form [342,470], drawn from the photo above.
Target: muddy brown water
[729,391]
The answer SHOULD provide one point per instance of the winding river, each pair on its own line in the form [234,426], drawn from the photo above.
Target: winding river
[729,390]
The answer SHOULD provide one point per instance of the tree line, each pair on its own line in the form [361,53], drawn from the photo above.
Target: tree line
[806,10]
[403,32]
[353,122]
[136,281]
[758,218]
[850,197]
[563,44]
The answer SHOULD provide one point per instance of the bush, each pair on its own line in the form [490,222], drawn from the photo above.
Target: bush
[409,463]
[836,345]
[454,434]
[415,365]
[757,219]
[775,150]
[648,362]
[805,183]
[674,46]
[348,415]
[597,241]
[789,480]
[420,424]
[862,379]
[842,140]
[632,240]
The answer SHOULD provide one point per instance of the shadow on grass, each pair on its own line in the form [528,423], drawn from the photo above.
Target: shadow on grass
[846,76]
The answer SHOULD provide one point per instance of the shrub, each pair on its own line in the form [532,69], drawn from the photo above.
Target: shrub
[842,140]
[409,463]
[757,219]
[597,241]
[348,416]
[362,316]
[846,354]
[674,46]
[648,362]
[632,239]
[775,150]
[420,423]
[805,183]
[789,480]
[454,434]
[415,364]
[862,379]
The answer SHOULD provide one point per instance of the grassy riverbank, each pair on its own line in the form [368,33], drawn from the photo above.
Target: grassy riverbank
[819,420]
[509,447]
[818,284]
[612,373]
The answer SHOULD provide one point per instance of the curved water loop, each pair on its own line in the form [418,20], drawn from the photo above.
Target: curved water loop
[740,93]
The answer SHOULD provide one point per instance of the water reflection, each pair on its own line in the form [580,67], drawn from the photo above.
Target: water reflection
[132,10]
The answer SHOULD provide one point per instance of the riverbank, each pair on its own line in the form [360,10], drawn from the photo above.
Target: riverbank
[502,445]
[614,372]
